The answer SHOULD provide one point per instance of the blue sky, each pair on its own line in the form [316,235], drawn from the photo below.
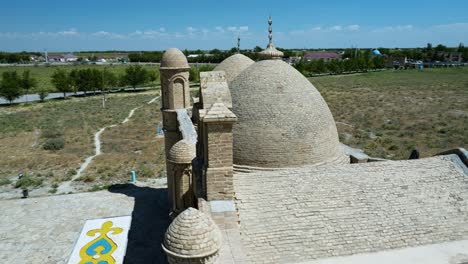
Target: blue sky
[74,25]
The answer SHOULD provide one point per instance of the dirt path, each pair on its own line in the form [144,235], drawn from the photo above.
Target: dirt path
[65,187]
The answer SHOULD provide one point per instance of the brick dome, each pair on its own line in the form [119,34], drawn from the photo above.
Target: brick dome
[174,59]
[192,235]
[283,119]
[234,65]
[182,152]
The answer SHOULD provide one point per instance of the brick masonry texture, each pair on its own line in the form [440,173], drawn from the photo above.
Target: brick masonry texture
[308,213]
[234,65]
[283,119]
[219,172]
[192,234]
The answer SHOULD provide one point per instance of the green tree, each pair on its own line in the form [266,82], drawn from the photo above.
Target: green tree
[84,80]
[27,82]
[257,49]
[109,81]
[96,80]
[42,92]
[135,75]
[10,86]
[62,82]
[74,79]
[153,76]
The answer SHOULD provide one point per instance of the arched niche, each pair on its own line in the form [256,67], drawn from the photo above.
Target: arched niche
[177,94]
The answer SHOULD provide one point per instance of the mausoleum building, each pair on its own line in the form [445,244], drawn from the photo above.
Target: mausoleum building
[259,154]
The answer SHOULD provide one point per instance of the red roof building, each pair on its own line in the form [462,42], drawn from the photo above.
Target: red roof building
[323,55]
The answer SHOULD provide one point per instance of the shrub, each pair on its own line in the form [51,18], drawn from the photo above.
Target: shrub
[88,178]
[96,188]
[71,172]
[51,133]
[144,172]
[28,181]
[4,182]
[54,144]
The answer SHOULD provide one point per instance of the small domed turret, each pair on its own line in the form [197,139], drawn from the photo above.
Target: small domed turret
[183,152]
[192,237]
[174,58]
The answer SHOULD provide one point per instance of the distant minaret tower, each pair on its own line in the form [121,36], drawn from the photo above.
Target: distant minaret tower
[238,44]
[271,53]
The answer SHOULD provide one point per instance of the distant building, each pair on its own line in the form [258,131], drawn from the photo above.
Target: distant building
[322,55]
[62,58]
[293,60]
[69,57]
[55,58]
[451,56]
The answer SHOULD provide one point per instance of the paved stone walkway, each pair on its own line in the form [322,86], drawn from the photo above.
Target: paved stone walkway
[301,214]
[44,230]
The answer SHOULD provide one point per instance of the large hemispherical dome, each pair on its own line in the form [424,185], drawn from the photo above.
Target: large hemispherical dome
[283,119]
[234,65]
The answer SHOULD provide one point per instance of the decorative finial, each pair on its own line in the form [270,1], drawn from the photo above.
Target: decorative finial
[270,31]
[238,44]
[271,52]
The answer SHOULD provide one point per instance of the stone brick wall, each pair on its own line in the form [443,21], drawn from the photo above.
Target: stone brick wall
[219,170]
[219,184]
[219,145]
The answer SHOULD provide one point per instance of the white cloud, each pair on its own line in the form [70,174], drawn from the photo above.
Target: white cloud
[191,30]
[336,28]
[70,32]
[106,34]
[243,28]
[238,29]
[101,34]
[394,28]
[319,29]
[353,27]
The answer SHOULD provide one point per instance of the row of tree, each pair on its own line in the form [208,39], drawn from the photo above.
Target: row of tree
[16,57]
[361,63]
[427,54]
[13,85]
[86,80]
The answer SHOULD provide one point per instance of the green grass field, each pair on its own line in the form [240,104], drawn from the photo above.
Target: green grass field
[25,130]
[389,113]
[43,73]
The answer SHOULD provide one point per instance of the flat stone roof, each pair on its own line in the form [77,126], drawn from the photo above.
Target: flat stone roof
[45,229]
[455,252]
[301,214]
